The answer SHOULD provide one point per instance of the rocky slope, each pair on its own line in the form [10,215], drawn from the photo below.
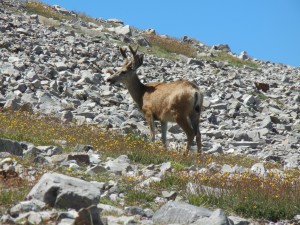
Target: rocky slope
[61,70]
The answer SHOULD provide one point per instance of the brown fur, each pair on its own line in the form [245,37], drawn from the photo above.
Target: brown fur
[167,100]
[262,86]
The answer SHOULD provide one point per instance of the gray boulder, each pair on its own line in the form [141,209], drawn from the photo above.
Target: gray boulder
[267,123]
[259,169]
[179,213]
[89,215]
[12,104]
[61,191]
[238,221]
[119,165]
[27,206]
[125,30]
[218,217]
[13,147]
[49,103]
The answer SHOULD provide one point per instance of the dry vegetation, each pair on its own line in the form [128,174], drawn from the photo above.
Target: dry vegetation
[35,7]
[275,196]
[167,47]
[13,190]
[39,8]
[164,46]
[222,56]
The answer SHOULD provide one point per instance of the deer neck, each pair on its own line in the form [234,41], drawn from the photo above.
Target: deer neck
[136,89]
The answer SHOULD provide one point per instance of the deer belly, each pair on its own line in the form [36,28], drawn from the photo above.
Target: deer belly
[167,117]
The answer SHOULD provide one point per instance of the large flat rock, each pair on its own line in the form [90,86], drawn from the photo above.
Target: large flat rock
[179,213]
[61,191]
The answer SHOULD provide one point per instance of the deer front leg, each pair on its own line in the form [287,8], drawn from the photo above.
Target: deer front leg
[164,127]
[198,140]
[150,121]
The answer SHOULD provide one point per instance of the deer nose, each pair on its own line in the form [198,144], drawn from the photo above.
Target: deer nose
[109,80]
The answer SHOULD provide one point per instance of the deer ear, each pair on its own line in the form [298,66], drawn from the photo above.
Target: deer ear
[138,61]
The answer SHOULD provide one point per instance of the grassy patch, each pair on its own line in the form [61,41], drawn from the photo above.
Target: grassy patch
[178,166]
[35,7]
[13,190]
[166,46]
[44,130]
[271,198]
[261,96]
[139,197]
[42,9]
[222,56]
[108,201]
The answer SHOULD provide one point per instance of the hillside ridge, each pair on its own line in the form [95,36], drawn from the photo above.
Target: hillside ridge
[61,122]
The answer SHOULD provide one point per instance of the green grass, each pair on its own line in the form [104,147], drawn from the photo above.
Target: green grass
[178,166]
[36,7]
[42,9]
[12,191]
[270,198]
[260,95]
[108,201]
[140,198]
[167,47]
[222,56]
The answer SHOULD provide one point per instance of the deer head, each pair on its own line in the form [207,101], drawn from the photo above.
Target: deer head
[129,67]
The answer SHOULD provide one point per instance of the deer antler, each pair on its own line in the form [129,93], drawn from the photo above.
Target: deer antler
[137,59]
[123,52]
[132,51]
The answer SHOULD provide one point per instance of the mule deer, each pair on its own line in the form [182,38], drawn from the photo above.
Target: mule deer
[179,101]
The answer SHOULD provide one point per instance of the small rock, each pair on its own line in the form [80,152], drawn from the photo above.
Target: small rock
[179,213]
[134,210]
[217,148]
[165,167]
[110,209]
[258,169]
[147,182]
[27,206]
[238,221]
[61,66]
[169,195]
[79,157]
[13,147]
[218,217]
[96,169]
[227,169]
[89,215]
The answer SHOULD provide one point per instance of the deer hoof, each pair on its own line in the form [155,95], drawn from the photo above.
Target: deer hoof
[185,153]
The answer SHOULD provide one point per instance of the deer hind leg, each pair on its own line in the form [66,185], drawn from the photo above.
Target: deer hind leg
[194,118]
[185,124]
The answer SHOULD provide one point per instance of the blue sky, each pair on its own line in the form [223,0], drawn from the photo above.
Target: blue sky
[266,29]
